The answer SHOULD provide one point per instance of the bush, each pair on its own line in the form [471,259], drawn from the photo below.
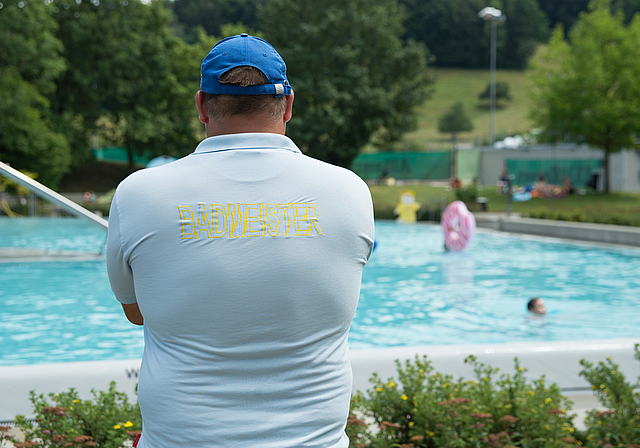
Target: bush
[468,195]
[428,409]
[424,214]
[587,215]
[104,422]
[420,409]
[619,425]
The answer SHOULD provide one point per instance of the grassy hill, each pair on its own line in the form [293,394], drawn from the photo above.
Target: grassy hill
[453,85]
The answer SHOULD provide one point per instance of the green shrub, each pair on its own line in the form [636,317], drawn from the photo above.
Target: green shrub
[468,195]
[422,215]
[67,421]
[619,425]
[428,409]
[586,215]
[5,437]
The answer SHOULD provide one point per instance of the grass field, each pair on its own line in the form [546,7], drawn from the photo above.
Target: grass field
[612,208]
[453,85]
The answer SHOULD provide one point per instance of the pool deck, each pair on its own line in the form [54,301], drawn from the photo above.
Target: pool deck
[558,361]
[581,231]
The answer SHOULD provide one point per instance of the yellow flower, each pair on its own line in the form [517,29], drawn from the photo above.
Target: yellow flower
[430,434]
[421,371]
[600,422]
[392,384]
[547,401]
[602,386]
[404,397]
[412,423]
[445,385]
[593,387]
[613,372]
[76,401]
[579,443]
[571,429]
[128,425]
[609,358]
[531,393]
[116,427]
[604,391]
[546,427]
[520,368]
[378,389]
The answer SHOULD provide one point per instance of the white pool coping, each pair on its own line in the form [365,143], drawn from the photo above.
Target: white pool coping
[559,361]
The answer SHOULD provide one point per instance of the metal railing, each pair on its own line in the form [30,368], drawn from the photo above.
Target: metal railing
[48,194]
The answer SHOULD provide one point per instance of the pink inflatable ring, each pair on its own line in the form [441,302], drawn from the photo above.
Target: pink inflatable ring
[458,225]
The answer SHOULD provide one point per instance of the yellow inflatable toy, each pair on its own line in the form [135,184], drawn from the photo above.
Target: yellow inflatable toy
[407,207]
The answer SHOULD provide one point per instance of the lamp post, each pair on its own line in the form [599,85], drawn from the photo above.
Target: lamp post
[494,16]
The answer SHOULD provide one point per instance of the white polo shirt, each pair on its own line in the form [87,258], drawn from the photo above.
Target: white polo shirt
[245,259]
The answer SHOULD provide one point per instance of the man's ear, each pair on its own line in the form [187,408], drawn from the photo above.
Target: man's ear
[287,112]
[203,115]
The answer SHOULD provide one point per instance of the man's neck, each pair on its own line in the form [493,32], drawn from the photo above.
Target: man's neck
[241,125]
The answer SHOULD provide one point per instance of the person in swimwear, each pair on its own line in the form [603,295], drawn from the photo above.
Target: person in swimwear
[536,306]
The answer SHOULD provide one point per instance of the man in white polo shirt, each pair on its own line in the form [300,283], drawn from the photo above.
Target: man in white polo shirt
[243,260]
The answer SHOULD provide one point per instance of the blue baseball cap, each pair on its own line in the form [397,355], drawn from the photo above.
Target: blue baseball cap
[242,50]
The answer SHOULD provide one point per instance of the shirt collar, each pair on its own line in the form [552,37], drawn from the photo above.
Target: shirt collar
[252,140]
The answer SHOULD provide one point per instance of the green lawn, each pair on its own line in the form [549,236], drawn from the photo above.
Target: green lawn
[612,208]
[453,85]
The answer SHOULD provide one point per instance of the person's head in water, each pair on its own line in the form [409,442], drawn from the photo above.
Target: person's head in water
[536,306]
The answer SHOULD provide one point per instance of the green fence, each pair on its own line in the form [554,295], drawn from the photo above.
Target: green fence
[118,155]
[579,172]
[467,164]
[412,165]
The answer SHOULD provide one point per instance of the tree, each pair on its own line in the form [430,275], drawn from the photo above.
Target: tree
[455,35]
[451,30]
[129,78]
[588,87]
[566,13]
[526,28]
[563,13]
[454,121]
[212,15]
[31,61]
[351,73]
[502,92]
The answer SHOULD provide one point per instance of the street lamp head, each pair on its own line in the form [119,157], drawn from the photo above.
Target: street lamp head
[492,14]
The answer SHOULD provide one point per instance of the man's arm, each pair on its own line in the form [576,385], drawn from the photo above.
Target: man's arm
[133,313]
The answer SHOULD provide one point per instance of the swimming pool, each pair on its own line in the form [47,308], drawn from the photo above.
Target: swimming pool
[413,293]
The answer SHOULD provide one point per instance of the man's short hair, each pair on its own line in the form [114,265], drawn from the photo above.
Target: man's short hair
[532,303]
[220,107]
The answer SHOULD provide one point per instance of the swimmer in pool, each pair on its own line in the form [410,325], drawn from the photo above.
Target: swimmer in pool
[536,306]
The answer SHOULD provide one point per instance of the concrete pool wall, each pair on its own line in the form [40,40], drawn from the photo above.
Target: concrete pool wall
[558,361]
[581,231]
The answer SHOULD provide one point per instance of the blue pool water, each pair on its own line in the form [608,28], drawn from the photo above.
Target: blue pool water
[413,293]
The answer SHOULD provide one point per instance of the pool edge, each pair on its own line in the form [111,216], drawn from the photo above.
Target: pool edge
[559,361]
